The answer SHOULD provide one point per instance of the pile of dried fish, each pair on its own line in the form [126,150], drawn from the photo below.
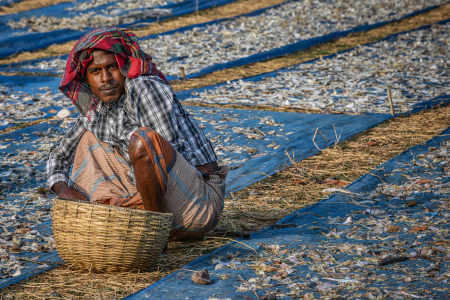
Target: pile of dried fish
[395,245]
[18,106]
[111,6]
[25,203]
[111,14]
[225,41]
[294,21]
[414,66]
[236,137]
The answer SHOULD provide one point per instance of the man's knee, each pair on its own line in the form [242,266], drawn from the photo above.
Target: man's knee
[136,149]
[142,136]
[145,142]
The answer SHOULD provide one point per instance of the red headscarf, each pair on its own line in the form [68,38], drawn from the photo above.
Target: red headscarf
[132,62]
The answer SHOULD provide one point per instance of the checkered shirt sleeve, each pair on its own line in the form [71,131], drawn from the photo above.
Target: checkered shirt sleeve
[155,105]
[62,155]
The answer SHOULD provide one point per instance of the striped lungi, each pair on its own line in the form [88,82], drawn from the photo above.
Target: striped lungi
[104,176]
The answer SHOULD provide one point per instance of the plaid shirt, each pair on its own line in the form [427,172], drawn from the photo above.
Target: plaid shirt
[148,102]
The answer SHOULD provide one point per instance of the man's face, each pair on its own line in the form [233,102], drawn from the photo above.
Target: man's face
[104,77]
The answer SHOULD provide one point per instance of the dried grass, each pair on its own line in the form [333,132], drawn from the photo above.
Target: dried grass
[303,183]
[23,125]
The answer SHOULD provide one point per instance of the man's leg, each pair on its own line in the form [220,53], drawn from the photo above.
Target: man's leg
[168,183]
[152,157]
[102,174]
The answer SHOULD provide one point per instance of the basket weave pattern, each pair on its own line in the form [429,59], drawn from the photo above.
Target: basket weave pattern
[108,238]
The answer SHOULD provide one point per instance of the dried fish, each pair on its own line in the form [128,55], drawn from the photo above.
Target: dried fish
[63,113]
[356,81]
[228,40]
[83,15]
[201,277]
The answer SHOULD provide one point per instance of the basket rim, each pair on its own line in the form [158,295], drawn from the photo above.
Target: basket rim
[107,206]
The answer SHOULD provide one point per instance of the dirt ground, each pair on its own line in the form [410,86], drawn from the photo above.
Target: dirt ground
[265,202]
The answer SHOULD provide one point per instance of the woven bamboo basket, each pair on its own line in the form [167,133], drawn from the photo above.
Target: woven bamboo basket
[108,238]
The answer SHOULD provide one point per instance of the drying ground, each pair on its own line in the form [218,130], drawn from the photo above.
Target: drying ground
[261,204]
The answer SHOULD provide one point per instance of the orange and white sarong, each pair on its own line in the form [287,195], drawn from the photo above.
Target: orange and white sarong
[104,176]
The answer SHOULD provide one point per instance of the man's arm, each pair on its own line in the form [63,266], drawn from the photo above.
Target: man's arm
[59,163]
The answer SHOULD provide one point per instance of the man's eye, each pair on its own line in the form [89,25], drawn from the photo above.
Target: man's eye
[113,67]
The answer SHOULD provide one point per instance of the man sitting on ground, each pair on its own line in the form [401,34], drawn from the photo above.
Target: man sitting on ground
[133,144]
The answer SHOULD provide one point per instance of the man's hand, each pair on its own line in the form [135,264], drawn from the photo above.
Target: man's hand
[63,191]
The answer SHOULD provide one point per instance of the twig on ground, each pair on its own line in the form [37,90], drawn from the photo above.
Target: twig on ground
[408,294]
[338,137]
[261,218]
[391,104]
[244,235]
[314,140]
[233,240]
[392,260]
[280,226]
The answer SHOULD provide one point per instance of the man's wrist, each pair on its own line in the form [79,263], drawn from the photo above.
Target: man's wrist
[56,178]
[60,187]
[209,168]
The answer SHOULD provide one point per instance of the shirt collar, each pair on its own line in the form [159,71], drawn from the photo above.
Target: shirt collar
[103,108]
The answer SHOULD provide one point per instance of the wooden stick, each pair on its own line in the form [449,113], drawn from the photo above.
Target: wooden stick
[391,260]
[314,140]
[233,240]
[391,104]
[338,137]
[182,73]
